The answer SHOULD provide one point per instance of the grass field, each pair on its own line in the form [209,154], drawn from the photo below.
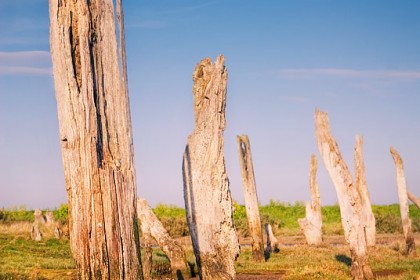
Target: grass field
[22,258]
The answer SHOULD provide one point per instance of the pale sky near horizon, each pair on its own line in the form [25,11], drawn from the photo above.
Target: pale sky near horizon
[357,60]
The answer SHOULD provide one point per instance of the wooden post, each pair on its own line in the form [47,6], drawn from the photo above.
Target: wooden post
[312,223]
[414,199]
[57,231]
[39,217]
[251,198]
[366,214]
[35,232]
[208,201]
[90,79]
[348,197]
[147,261]
[404,209]
[49,217]
[150,225]
[272,242]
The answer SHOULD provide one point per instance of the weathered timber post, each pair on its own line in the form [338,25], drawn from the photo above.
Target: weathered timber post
[208,201]
[251,198]
[95,133]
[312,223]
[57,231]
[404,209]
[272,242]
[360,173]
[414,199]
[150,225]
[348,197]
[49,217]
[35,232]
[147,253]
[39,217]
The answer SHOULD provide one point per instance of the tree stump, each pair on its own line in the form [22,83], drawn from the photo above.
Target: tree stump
[49,217]
[90,78]
[57,232]
[251,198]
[367,215]
[312,223]
[35,232]
[348,197]
[39,217]
[414,199]
[272,242]
[403,197]
[208,201]
[151,227]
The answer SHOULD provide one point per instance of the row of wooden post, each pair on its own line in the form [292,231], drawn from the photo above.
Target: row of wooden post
[90,75]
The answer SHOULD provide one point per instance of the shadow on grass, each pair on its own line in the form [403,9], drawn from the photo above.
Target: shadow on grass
[192,271]
[344,259]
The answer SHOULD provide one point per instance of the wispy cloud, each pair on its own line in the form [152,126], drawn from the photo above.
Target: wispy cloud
[25,63]
[347,73]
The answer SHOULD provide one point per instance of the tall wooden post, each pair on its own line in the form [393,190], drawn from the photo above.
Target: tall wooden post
[251,198]
[312,223]
[208,201]
[360,172]
[95,133]
[348,197]
[404,209]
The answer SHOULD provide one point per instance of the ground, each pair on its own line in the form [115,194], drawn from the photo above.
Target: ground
[22,258]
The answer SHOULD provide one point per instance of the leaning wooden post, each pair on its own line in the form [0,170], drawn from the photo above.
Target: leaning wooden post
[95,133]
[251,199]
[360,172]
[146,236]
[404,209]
[348,197]
[208,201]
[312,223]
[150,225]
[414,199]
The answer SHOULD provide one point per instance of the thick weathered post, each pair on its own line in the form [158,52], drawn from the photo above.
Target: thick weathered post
[348,197]
[95,133]
[208,201]
[312,223]
[414,199]
[366,215]
[251,198]
[404,209]
[150,225]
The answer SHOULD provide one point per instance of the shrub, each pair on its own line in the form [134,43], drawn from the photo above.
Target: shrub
[173,219]
[17,214]
[62,213]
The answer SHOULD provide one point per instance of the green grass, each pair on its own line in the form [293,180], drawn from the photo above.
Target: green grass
[23,258]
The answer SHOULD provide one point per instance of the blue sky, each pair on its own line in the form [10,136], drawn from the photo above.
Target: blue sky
[357,60]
